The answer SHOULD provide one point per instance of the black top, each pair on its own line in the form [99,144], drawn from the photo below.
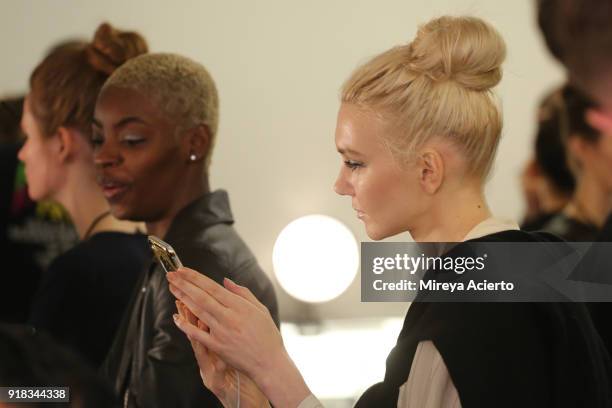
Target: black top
[575,231]
[538,222]
[151,362]
[85,292]
[30,238]
[570,229]
[504,354]
[34,358]
[605,235]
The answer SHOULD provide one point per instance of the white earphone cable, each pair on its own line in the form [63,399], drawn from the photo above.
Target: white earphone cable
[238,397]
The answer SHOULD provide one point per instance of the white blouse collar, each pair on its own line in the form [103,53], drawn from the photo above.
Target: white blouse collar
[489,226]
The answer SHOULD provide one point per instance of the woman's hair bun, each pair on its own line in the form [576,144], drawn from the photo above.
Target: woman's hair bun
[465,50]
[110,48]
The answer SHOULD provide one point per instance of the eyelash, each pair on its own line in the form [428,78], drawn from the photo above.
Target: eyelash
[132,139]
[353,165]
[97,141]
[132,142]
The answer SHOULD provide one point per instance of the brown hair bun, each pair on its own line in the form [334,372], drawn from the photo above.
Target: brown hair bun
[110,48]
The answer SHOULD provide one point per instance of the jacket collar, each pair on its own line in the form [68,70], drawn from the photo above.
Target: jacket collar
[209,209]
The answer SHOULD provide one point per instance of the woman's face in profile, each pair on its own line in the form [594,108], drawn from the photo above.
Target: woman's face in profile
[40,154]
[138,157]
[385,196]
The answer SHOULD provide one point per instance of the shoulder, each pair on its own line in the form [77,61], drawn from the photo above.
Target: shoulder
[117,246]
[112,251]
[519,236]
[66,268]
[571,229]
[219,245]
[69,260]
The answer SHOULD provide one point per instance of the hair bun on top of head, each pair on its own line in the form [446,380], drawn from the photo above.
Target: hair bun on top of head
[110,48]
[465,50]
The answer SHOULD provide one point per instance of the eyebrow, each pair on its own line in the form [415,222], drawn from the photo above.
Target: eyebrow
[349,151]
[123,122]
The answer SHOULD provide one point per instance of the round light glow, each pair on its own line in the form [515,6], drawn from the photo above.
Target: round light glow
[315,258]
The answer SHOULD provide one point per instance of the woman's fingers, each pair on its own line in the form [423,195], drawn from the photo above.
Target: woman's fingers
[212,369]
[205,308]
[200,295]
[206,284]
[242,332]
[194,333]
[244,293]
[202,326]
[189,316]
[181,308]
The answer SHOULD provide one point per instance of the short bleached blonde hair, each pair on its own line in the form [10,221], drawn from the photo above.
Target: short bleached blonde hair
[439,85]
[181,87]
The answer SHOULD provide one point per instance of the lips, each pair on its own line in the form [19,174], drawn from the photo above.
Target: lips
[113,189]
[360,214]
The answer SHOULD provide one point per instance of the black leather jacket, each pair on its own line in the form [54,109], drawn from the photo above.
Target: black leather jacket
[151,363]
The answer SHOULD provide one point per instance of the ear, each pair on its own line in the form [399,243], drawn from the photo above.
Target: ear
[578,149]
[431,170]
[197,141]
[67,145]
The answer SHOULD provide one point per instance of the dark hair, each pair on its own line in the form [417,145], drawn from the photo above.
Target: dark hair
[30,358]
[576,104]
[65,85]
[549,147]
[10,119]
[579,34]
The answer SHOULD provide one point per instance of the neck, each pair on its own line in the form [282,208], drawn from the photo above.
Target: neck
[181,199]
[553,202]
[85,202]
[590,204]
[449,219]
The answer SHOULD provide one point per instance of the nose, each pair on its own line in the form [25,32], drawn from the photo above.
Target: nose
[343,186]
[22,151]
[106,154]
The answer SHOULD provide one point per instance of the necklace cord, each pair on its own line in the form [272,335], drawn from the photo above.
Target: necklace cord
[95,222]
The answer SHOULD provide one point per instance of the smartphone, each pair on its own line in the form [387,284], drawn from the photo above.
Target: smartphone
[164,254]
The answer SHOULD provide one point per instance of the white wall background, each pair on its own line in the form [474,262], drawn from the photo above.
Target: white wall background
[278,66]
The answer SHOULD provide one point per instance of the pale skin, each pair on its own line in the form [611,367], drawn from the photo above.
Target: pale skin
[60,167]
[431,196]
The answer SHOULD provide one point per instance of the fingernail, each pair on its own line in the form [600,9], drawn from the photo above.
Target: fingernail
[175,317]
[231,282]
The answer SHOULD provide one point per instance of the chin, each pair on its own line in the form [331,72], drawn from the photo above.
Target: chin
[127,213]
[121,213]
[36,195]
[375,234]
[378,232]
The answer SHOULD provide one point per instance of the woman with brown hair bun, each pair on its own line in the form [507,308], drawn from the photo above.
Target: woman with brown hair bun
[85,290]
[417,132]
